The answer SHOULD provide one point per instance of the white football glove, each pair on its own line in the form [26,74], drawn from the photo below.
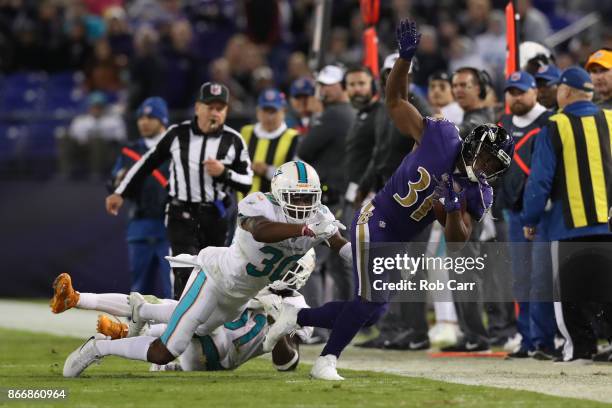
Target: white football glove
[324,229]
[265,299]
[324,225]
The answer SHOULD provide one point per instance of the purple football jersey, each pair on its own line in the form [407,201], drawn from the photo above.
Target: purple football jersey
[406,200]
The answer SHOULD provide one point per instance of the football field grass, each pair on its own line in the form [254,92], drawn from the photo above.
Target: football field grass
[35,361]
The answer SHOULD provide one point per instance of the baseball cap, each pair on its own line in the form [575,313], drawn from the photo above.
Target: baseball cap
[548,72]
[213,91]
[575,77]
[271,98]
[520,80]
[330,75]
[439,76]
[302,86]
[600,57]
[154,107]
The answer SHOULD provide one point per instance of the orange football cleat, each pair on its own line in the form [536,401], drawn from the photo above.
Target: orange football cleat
[116,330]
[64,295]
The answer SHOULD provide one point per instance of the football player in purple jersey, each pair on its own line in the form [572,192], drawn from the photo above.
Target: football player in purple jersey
[443,178]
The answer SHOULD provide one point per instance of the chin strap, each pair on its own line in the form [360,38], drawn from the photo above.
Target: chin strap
[470,173]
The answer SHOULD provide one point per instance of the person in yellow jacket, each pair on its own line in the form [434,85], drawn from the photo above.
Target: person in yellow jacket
[270,142]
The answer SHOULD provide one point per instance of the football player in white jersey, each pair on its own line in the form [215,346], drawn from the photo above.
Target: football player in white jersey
[274,231]
[227,347]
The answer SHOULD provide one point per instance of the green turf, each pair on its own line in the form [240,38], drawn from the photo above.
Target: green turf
[36,360]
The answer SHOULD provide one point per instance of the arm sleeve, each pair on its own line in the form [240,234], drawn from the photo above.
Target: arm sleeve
[540,181]
[131,183]
[238,174]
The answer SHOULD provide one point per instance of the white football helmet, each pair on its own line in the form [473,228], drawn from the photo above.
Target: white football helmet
[297,189]
[297,277]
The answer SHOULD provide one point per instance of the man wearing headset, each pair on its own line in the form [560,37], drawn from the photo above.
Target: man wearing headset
[469,87]
[362,91]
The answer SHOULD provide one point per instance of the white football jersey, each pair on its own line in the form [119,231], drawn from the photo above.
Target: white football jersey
[236,342]
[247,266]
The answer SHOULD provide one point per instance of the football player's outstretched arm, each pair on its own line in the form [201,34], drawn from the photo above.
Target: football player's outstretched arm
[405,116]
[264,230]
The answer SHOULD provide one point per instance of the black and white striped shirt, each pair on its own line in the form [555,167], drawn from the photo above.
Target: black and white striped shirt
[188,147]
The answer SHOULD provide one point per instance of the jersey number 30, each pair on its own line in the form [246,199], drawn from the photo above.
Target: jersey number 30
[276,264]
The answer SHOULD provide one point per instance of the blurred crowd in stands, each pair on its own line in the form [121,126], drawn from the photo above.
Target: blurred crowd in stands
[59,57]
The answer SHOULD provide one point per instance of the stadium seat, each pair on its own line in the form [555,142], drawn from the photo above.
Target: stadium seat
[22,93]
[42,136]
[19,100]
[26,79]
[67,79]
[63,103]
[63,96]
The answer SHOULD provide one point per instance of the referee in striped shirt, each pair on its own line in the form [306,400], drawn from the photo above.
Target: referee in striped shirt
[208,160]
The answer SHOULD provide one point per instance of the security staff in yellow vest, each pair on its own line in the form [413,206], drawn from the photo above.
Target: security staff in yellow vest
[572,165]
[270,142]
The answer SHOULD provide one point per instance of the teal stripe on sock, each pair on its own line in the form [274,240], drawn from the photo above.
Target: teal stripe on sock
[184,305]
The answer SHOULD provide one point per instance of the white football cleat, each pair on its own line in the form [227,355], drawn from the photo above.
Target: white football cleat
[285,324]
[81,358]
[324,368]
[135,300]
[513,343]
[444,332]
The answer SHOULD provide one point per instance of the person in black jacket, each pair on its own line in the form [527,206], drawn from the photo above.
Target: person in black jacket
[390,145]
[361,139]
[323,147]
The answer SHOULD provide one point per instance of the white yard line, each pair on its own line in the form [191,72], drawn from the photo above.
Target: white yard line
[563,380]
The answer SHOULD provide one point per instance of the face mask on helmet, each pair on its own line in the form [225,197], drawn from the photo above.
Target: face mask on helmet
[487,152]
[299,205]
[296,278]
